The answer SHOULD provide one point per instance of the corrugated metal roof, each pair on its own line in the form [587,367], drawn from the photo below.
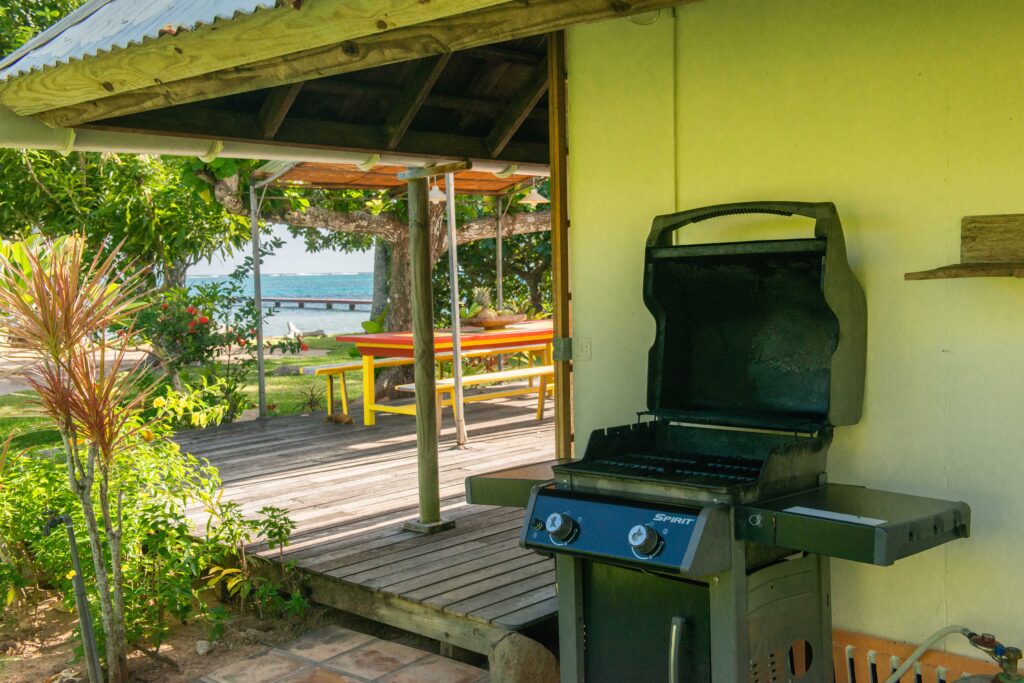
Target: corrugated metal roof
[104,25]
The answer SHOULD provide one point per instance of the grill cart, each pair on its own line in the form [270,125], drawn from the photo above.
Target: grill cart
[694,545]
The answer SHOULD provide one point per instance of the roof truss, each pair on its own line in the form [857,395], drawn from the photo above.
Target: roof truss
[152,76]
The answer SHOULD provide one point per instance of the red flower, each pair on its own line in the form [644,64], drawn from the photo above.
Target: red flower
[192,325]
[241,342]
[304,346]
[192,310]
[252,331]
[163,307]
[203,320]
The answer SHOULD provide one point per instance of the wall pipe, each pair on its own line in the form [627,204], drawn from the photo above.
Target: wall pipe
[25,132]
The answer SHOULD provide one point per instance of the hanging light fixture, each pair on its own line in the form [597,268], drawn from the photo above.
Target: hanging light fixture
[436,196]
[534,198]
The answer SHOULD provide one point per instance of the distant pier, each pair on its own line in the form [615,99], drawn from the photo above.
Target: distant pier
[328,303]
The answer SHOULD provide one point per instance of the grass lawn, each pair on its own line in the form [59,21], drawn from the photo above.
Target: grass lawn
[18,412]
[286,393]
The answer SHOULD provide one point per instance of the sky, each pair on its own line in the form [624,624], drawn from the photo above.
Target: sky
[292,258]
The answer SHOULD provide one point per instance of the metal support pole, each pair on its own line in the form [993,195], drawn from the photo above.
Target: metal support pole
[92,658]
[453,269]
[423,351]
[498,262]
[258,298]
[498,259]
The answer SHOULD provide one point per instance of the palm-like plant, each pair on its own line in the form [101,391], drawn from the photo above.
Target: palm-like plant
[57,306]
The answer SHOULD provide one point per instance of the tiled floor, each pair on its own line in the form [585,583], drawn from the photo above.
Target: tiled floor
[337,655]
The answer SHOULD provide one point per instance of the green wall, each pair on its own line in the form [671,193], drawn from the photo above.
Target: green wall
[907,115]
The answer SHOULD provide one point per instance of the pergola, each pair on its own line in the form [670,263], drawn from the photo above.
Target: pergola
[378,176]
[407,82]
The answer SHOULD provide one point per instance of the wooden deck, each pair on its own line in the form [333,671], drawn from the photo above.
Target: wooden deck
[349,488]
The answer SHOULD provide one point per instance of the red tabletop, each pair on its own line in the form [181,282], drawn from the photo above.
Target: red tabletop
[400,344]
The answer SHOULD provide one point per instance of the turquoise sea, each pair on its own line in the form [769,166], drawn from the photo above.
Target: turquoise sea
[317,286]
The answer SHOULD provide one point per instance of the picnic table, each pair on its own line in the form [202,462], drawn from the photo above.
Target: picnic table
[400,345]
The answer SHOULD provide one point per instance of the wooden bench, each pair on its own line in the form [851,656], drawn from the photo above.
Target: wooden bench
[341,369]
[446,387]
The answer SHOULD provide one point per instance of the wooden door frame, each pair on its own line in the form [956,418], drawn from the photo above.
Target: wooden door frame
[557,83]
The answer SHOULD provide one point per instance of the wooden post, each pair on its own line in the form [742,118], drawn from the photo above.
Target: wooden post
[560,238]
[423,351]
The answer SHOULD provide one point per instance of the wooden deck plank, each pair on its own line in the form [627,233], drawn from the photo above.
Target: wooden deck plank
[480,594]
[350,488]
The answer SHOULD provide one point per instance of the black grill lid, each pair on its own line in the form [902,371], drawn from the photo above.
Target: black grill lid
[767,334]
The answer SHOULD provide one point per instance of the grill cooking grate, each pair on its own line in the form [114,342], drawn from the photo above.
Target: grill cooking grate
[692,470]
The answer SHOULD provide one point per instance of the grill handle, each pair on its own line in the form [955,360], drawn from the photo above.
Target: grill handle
[824,214]
[675,649]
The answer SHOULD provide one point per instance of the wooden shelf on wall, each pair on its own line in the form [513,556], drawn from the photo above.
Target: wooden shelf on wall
[958,270]
[990,246]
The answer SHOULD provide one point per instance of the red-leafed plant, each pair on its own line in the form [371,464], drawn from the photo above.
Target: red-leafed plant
[55,308]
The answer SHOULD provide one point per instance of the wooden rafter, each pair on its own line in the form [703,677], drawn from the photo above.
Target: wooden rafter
[507,21]
[460,103]
[279,101]
[405,110]
[217,124]
[518,109]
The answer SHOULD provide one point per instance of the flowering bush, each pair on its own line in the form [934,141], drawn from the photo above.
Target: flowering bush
[211,326]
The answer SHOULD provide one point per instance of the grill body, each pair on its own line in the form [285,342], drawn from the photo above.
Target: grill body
[672,562]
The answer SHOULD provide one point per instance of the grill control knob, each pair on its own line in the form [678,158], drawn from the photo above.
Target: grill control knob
[560,526]
[644,540]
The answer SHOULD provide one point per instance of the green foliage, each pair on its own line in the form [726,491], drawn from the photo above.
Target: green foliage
[150,205]
[167,565]
[20,21]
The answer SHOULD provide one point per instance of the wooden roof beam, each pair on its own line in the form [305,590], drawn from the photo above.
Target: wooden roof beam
[506,55]
[506,21]
[279,101]
[518,109]
[408,105]
[225,125]
[439,100]
[269,34]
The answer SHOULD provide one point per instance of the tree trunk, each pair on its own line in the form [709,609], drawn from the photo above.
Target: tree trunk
[173,275]
[399,315]
[380,279]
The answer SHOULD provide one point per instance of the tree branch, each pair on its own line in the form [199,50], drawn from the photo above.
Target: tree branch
[360,222]
[381,225]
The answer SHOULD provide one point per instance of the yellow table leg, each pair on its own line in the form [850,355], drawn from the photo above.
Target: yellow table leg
[344,393]
[542,395]
[369,400]
[330,395]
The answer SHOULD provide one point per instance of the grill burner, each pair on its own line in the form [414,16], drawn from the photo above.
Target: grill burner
[694,547]
[688,469]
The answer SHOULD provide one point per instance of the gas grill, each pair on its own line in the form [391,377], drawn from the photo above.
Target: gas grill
[694,545]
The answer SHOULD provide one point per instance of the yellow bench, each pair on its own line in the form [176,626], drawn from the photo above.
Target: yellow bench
[446,387]
[341,369]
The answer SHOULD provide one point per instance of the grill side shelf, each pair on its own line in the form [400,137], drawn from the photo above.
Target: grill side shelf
[854,523]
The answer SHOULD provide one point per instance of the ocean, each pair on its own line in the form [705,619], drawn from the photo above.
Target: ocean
[315,286]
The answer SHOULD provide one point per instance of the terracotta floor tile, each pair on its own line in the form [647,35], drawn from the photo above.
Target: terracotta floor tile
[375,659]
[318,675]
[269,667]
[329,641]
[434,669]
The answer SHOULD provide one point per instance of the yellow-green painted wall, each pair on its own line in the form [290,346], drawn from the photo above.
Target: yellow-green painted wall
[907,115]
